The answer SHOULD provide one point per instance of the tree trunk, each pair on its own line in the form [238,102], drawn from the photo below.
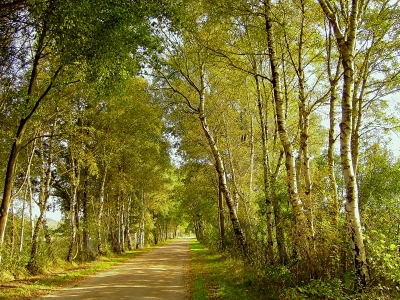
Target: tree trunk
[77,210]
[232,171]
[333,80]
[117,227]
[280,233]
[135,240]
[252,154]
[31,221]
[21,235]
[44,195]
[32,267]
[142,220]
[302,232]
[85,218]
[221,217]
[12,229]
[304,124]
[122,226]
[352,210]
[27,192]
[266,172]
[12,160]
[100,250]
[5,204]
[346,45]
[75,178]
[128,225]
[220,168]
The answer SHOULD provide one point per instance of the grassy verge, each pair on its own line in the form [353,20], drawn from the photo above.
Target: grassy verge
[67,275]
[216,277]
[213,276]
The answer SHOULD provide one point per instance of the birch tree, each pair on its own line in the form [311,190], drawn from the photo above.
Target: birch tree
[345,31]
[302,226]
[194,96]
[79,36]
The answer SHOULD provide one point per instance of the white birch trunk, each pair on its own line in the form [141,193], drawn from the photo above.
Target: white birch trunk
[142,221]
[302,232]
[346,45]
[100,250]
[220,168]
[75,178]
[333,80]
[266,173]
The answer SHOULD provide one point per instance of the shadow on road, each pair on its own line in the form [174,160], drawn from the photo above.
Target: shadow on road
[159,274]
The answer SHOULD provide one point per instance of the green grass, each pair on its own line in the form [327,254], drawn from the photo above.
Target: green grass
[41,285]
[213,276]
[216,277]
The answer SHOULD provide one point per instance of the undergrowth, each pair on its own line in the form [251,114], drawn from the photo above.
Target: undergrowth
[216,276]
[61,276]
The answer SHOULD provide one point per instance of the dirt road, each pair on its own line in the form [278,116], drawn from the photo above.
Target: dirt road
[159,274]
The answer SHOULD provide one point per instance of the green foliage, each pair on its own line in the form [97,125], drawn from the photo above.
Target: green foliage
[13,267]
[216,277]
[108,120]
[384,259]
[105,38]
[379,174]
[320,289]
[69,275]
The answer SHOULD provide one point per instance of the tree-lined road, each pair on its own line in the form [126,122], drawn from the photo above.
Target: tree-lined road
[159,274]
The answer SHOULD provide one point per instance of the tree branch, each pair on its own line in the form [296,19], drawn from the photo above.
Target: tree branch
[3,6]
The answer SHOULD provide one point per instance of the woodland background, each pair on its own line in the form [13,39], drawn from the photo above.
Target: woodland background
[264,127]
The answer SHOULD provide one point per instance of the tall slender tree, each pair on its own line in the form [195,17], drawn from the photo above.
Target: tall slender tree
[345,32]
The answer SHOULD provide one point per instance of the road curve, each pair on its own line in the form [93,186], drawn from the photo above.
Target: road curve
[159,274]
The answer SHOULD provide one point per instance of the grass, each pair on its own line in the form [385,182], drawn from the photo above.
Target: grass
[69,275]
[214,276]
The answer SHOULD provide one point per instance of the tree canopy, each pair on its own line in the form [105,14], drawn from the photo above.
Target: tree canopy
[262,127]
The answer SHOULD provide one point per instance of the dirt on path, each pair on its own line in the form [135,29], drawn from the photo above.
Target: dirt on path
[159,274]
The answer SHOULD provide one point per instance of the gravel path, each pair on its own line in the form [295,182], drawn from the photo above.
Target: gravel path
[159,274]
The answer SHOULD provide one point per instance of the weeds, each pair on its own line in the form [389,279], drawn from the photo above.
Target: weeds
[62,276]
[216,277]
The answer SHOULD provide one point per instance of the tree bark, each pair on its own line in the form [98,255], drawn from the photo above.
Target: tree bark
[21,235]
[75,178]
[13,4]
[128,225]
[333,80]
[266,172]
[346,45]
[12,229]
[122,226]
[16,146]
[12,160]
[142,221]
[302,232]
[220,168]
[27,192]
[100,250]
[43,198]
[200,90]
[117,226]
[85,218]
[221,217]
[252,155]
[304,124]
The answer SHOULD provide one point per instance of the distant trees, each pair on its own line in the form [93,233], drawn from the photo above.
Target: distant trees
[273,73]
[75,118]
[252,95]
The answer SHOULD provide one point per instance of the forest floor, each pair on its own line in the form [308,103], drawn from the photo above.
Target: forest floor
[159,274]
